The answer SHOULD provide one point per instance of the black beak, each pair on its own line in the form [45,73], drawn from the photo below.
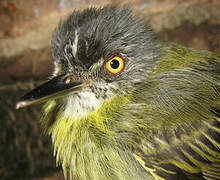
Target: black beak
[56,87]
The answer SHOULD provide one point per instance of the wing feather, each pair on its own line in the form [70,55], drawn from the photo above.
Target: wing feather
[196,158]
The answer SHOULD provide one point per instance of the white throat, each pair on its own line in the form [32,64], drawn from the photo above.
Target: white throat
[81,104]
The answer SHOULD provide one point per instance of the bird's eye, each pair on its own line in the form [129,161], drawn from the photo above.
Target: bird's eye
[115,65]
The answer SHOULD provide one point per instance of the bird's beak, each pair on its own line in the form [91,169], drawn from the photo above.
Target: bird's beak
[56,87]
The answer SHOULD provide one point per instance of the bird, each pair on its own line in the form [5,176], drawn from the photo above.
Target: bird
[123,104]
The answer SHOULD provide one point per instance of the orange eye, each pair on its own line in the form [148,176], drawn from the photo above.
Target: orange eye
[115,65]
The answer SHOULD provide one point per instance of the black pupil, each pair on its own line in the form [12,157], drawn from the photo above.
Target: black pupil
[115,64]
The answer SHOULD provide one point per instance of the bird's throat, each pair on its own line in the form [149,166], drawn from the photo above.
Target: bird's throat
[73,134]
[82,104]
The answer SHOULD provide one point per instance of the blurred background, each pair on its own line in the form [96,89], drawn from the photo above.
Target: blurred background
[26,27]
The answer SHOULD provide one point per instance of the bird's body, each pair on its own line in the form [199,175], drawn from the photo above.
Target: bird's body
[158,117]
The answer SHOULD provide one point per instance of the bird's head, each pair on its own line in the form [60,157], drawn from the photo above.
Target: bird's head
[98,54]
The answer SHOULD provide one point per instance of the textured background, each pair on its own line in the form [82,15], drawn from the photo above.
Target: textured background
[26,27]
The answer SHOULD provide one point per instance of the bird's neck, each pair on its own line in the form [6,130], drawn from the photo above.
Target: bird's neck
[81,140]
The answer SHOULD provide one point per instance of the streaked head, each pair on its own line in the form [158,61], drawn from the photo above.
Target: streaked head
[100,57]
[98,54]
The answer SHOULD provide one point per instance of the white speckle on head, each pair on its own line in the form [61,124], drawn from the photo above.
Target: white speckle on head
[57,68]
[75,44]
[81,104]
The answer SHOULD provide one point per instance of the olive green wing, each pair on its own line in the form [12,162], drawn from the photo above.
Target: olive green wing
[181,112]
[185,153]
